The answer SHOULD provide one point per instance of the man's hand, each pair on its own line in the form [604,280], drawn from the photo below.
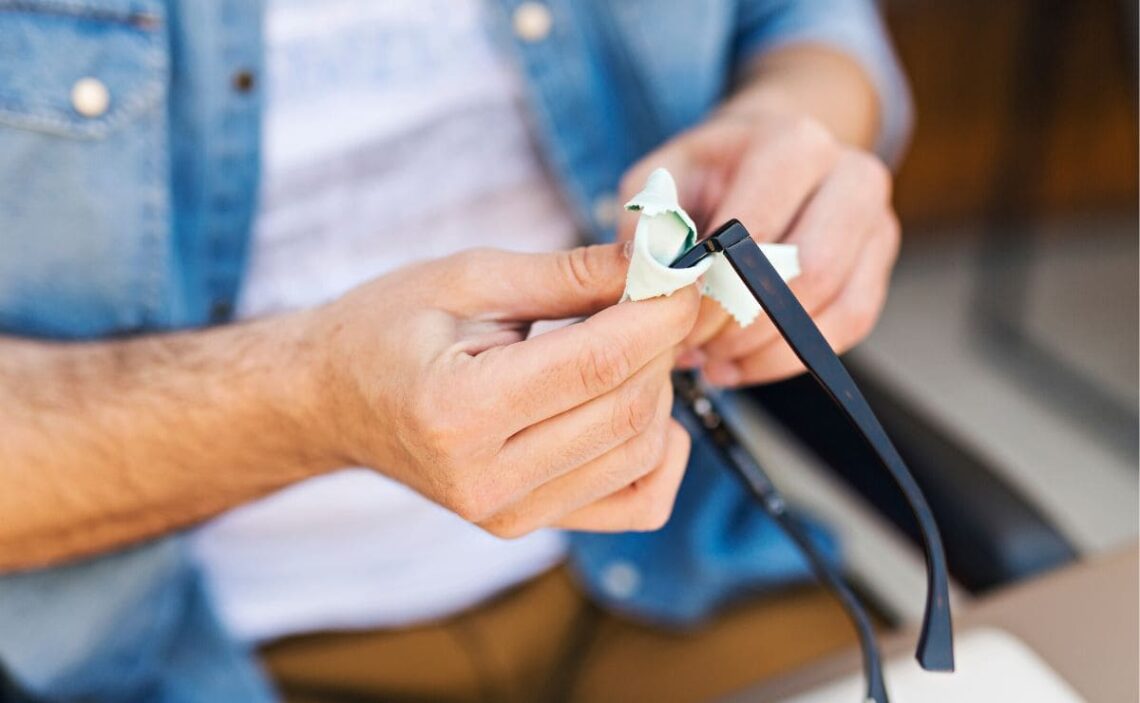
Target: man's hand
[424,375]
[787,178]
[427,376]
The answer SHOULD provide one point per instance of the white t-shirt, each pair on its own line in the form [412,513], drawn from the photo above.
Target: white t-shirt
[393,132]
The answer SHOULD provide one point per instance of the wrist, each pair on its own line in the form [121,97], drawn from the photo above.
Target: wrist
[296,392]
[813,82]
[762,97]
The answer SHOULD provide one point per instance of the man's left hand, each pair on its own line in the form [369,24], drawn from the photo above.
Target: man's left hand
[789,180]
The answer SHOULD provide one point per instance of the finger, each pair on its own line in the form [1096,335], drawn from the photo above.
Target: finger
[767,192]
[735,341]
[835,226]
[644,505]
[844,323]
[544,376]
[696,160]
[556,445]
[489,284]
[775,178]
[711,319]
[831,233]
[601,477]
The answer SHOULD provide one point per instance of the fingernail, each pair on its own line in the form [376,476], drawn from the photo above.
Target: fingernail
[722,373]
[691,359]
[627,250]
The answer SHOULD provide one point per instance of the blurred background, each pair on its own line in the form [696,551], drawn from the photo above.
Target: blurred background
[1006,362]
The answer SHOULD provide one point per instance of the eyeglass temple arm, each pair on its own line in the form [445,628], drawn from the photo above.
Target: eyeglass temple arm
[698,412]
[935,650]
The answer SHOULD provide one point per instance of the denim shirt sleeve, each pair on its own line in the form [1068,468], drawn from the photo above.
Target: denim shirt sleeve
[853,27]
[132,625]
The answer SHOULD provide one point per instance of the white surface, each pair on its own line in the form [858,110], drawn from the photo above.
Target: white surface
[1082,303]
[993,666]
[393,132]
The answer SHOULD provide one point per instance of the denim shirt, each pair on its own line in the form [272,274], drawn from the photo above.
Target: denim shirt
[134,216]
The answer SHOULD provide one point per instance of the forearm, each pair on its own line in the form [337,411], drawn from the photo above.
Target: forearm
[815,81]
[111,442]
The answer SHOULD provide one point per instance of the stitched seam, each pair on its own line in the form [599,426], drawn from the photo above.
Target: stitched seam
[80,9]
[45,121]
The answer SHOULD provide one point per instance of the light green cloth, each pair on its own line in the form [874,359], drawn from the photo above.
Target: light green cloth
[664,230]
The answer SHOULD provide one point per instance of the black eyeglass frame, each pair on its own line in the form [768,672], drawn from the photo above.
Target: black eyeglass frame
[935,648]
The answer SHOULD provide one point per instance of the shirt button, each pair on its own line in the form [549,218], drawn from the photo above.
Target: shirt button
[606,210]
[532,21]
[621,580]
[243,81]
[220,310]
[90,97]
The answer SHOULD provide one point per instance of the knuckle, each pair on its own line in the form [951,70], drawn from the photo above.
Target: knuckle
[685,311]
[449,419]
[892,230]
[636,413]
[658,516]
[860,313]
[468,268]
[811,135]
[657,498]
[644,453]
[603,366]
[863,316]
[873,174]
[440,430]
[454,496]
[577,268]
[506,527]
[473,501]
[819,270]
[654,510]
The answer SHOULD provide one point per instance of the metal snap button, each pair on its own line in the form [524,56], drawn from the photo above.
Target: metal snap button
[220,310]
[621,580]
[532,21]
[243,81]
[90,97]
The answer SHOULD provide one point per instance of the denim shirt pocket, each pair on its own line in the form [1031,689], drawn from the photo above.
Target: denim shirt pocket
[84,166]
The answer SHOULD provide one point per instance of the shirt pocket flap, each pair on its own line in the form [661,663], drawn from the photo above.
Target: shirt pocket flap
[80,68]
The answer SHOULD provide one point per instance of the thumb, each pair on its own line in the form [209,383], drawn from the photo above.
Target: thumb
[549,286]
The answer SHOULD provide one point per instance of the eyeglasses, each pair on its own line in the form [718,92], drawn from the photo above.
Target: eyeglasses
[935,648]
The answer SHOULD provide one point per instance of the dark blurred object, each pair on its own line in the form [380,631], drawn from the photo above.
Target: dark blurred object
[1035,111]
[9,693]
[991,534]
[965,60]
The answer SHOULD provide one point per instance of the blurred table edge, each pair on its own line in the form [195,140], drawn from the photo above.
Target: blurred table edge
[1082,620]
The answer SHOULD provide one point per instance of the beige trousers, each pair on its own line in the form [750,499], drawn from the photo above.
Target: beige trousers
[545,642]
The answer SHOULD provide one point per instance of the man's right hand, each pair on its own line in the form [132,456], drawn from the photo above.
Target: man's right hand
[427,376]
[424,374]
